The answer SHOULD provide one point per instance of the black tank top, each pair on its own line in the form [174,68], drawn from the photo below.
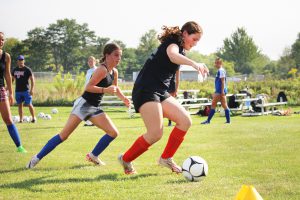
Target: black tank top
[2,69]
[158,70]
[95,98]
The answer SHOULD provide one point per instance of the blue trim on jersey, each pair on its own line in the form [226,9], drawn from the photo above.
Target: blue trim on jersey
[221,73]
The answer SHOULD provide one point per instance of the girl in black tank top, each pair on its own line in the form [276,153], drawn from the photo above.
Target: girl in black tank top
[86,107]
[95,98]
[151,98]
[7,100]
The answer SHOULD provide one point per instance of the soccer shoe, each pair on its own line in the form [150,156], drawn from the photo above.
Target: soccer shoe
[169,163]
[128,167]
[33,162]
[33,120]
[94,159]
[21,149]
[205,122]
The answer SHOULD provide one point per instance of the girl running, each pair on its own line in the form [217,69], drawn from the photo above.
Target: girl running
[86,107]
[151,98]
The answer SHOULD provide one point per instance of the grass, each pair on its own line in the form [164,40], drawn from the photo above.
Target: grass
[260,151]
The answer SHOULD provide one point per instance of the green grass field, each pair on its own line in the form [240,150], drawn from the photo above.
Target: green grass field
[260,151]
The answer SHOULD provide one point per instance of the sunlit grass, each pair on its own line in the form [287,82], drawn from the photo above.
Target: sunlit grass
[261,151]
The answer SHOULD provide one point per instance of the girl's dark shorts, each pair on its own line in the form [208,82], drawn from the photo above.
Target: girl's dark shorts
[139,97]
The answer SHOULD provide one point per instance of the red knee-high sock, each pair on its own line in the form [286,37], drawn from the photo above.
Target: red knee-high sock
[175,139]
[138,147]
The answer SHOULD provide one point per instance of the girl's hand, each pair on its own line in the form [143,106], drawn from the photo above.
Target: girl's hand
[111,89]
[127,102]
[202,68]
[11,100]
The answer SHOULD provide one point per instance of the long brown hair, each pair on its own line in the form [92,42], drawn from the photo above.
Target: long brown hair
[108,49]
[175,33]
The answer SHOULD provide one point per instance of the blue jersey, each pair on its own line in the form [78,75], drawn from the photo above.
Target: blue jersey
[221,73]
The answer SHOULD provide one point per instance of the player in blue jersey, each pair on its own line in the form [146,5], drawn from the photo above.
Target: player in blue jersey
[7,99]
[220,93]
[86,107]
[152,100]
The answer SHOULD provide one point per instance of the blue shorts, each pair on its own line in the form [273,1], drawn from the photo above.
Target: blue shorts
[23,97]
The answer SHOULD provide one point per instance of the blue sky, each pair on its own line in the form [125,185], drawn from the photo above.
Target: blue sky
[274,25]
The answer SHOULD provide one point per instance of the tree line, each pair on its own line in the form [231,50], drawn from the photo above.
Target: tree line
[64,46]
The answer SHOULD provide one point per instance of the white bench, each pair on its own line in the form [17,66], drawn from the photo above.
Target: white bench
[270,105]
[243,106]
[194,103]
[181,101]
[237,95]
[112,100]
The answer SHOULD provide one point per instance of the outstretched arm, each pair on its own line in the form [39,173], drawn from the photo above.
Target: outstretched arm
[176,57]
[119,92]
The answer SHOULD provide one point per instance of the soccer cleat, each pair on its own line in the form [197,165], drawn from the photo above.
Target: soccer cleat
[205,122]
[33,162]
[33,120]
[128,167]
[88,123]
[21,149]
[169,163]
[94,159]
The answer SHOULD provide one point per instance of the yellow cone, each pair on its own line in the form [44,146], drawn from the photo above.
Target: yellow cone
[248,193]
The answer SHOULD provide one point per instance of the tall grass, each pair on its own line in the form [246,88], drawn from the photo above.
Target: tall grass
[65,88]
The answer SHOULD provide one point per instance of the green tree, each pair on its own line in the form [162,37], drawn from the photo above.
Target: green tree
[285,63]
[38,53]
[295,51]
[19,49]
[270,69]
[259,63]
[129,61]
[67,39]
[148,43]
[241,50]
[100,43]
[10,43]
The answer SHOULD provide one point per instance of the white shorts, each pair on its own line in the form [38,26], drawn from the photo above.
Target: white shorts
[84,110]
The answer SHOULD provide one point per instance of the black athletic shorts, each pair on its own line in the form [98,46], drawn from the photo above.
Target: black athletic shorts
[139,97]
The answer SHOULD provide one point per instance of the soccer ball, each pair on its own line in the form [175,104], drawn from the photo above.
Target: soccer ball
[16,118]
[41,115]
[194,168]
[26,119]
[47,117]
[54,111]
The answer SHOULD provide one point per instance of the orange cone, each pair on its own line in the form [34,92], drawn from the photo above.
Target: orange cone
[248,193]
